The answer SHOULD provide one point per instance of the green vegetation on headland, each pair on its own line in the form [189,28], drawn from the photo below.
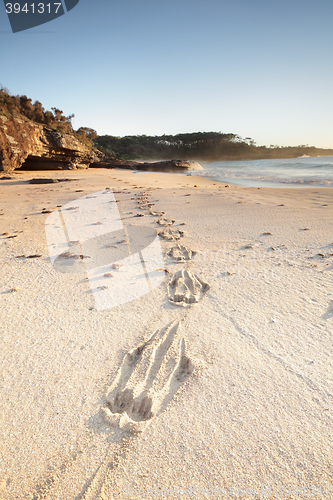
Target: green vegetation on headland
[198,146]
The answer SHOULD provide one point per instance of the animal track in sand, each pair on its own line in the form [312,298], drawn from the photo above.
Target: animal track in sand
[147,380]
[171,234]
[185,289]
[181,253]
[158,214]
[165,222]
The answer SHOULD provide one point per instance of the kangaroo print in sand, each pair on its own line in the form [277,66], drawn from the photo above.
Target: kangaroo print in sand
[147,380]
[186,288]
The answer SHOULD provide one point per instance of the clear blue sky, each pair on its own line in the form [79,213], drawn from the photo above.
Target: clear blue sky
[258,68]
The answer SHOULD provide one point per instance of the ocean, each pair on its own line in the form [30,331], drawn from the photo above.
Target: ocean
[291,172]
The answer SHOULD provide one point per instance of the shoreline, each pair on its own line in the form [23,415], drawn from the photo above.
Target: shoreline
[256,410]
[296,174]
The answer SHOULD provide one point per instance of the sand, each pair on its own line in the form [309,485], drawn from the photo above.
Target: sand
[233,391]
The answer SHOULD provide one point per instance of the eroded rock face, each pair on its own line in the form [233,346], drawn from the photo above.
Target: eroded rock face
[31,145]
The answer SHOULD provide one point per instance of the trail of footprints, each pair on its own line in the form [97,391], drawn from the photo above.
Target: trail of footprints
[144,203]
[150,374]
[184,288]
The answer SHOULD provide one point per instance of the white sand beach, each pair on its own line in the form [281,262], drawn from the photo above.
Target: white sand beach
[253,416]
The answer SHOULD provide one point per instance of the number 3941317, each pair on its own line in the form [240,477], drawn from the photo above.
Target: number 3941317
[34,8]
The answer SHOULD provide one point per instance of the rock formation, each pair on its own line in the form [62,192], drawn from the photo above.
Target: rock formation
[169,166]
[31,145]
[158,166]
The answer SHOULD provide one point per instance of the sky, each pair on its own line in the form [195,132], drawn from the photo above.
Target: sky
[257,68]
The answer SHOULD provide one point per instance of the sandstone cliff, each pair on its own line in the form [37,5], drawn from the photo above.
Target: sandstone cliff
[31,145]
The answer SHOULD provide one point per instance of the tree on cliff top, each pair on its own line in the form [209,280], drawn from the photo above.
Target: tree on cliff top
[36,112]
